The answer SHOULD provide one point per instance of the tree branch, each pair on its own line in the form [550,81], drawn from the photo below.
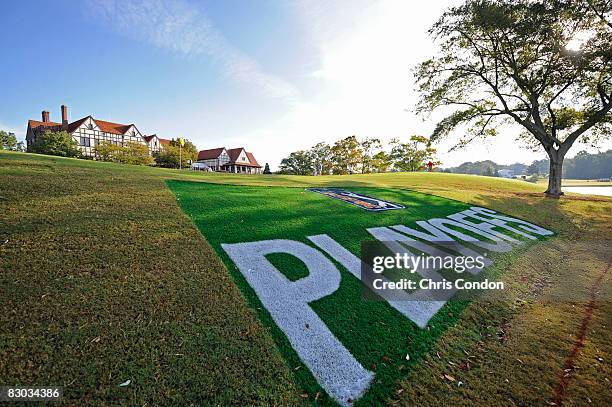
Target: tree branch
[593,120]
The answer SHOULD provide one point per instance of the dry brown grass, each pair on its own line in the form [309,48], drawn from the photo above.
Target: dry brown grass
[514,352]
[104,279]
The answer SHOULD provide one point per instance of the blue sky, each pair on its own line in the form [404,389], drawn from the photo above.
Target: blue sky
[270,75]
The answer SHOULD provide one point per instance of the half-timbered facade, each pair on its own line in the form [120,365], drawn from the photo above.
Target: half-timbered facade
[89,132]
[236,160]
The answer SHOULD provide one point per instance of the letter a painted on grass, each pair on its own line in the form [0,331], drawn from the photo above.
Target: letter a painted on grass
[336,370]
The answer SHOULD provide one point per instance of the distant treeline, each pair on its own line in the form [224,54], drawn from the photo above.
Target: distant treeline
[487,168]
[582,166]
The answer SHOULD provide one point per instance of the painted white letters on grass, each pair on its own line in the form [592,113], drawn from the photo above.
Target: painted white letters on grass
[333,366]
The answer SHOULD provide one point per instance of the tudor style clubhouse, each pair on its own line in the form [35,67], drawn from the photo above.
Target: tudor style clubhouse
[236,160]
[88,132]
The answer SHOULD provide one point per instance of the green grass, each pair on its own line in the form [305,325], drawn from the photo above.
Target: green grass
[374,332]
[104,279]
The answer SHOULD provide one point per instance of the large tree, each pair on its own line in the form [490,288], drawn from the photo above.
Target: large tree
[175,156]
[370,147]
[413,155]
[298,163]
[321,157]
[346,155]
[381,162]
[8,141]
[542,64]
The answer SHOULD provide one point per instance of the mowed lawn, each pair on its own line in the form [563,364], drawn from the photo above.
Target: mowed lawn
[105,279]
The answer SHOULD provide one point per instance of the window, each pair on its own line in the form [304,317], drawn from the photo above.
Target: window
[90,126]
[85,141]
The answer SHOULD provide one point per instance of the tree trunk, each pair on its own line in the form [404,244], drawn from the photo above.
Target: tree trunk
[554,174]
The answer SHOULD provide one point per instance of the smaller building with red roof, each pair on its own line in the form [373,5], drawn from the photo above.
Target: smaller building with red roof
[235,160]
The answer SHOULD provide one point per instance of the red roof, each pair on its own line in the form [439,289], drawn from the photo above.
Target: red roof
[210,154]
[107,127]
[35,124]
[110,127]
[233,153]
[162,141]
[252,159]
[75,125]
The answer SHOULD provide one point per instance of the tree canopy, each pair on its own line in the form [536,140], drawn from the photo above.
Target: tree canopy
[171,156]
[8,141]
[413,155]
[60,143]
[542,64]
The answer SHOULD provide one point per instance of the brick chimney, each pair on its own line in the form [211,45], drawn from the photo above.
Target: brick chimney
[45,116]
[64,115]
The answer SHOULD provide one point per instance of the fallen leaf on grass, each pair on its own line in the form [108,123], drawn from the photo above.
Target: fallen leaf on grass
[449,377]
[125,383]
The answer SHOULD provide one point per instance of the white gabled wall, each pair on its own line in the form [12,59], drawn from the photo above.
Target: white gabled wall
[88,135]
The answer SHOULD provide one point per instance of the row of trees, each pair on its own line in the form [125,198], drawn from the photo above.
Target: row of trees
[487,168]
[582,166]
[61,143]
[350,156]
[172,156]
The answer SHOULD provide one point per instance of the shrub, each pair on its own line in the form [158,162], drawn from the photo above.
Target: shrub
[130,153]
[59,143]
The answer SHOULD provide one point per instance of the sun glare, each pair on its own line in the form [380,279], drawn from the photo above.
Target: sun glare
[578,40]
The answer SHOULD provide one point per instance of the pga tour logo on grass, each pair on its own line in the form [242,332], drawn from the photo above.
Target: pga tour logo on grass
[472,232]
[363,201]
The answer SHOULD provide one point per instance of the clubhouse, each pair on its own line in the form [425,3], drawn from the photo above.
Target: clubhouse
[88,132]
[235,160]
